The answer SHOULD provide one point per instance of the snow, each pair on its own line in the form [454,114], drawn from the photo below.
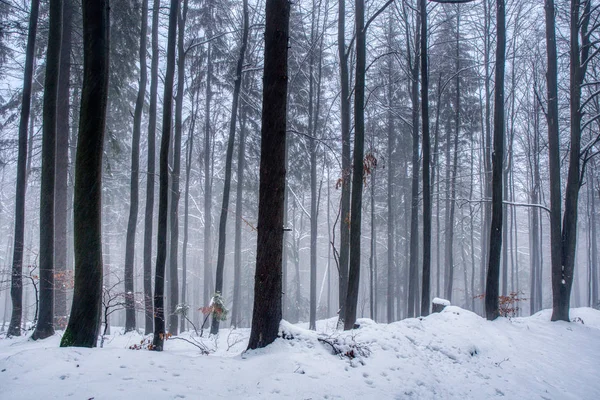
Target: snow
[442,302]
[454,354]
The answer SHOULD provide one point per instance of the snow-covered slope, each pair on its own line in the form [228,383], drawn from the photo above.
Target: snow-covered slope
[451,355]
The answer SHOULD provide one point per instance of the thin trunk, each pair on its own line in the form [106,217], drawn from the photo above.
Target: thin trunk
[175,172]
[16,287]
[62,170]
[45,325]
[236,315]
[594,242]
[357,176]
[492,281]
[207,182]
[228,161]
[425,299]
[188,169]
[135,173]
[391,206]
[372,281]
[149,212]
[161,243]
[346,160]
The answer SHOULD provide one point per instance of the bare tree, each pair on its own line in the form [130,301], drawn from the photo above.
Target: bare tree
[45,325]
[267,283]
[16,287]
[84,322]
[163,196]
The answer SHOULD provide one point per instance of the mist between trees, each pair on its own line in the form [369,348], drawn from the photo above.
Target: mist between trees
[200,163]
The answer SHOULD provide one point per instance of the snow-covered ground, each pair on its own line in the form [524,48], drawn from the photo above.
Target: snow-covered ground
[452,355]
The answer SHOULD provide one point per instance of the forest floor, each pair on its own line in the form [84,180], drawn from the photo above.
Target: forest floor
[452,355]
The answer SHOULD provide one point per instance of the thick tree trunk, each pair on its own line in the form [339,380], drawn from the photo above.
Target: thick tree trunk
[62,170]
[135,172]
[237,85]
[267,284]
[45,325]
[16,287]
[391,177]
[84,323]
[149,211]
[493,273]
[163,196]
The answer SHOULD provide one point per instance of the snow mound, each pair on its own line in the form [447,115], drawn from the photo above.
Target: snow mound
[454,354]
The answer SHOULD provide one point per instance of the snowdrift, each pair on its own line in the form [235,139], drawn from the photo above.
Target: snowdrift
[451,355]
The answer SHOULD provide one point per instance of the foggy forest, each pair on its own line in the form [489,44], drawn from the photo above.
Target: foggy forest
[220,176]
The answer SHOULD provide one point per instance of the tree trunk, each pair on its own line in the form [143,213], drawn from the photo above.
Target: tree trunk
[346,160]
[207,183]
[175,192]
[149,212]
[267,284]
[186,212]
[391,206]
[45,325]
[16,287]
[62,170]
[163,196]
[357,175]
[372,256]
[594,244]
[236,315]
[425,298]
[493,273]
[135,172]
[237,85]
[84,323]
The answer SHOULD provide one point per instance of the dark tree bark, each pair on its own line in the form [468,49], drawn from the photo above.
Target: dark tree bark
[16,287]
[562,273]
[237,85]
[267,284]
[135,172]
[163,196]
[175,192]
[425,300]
[62,169]
[487,146]
[84,323]
[357,177]
[45,325]
[413,284]
[346,160]
[149,210]
[493,273]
